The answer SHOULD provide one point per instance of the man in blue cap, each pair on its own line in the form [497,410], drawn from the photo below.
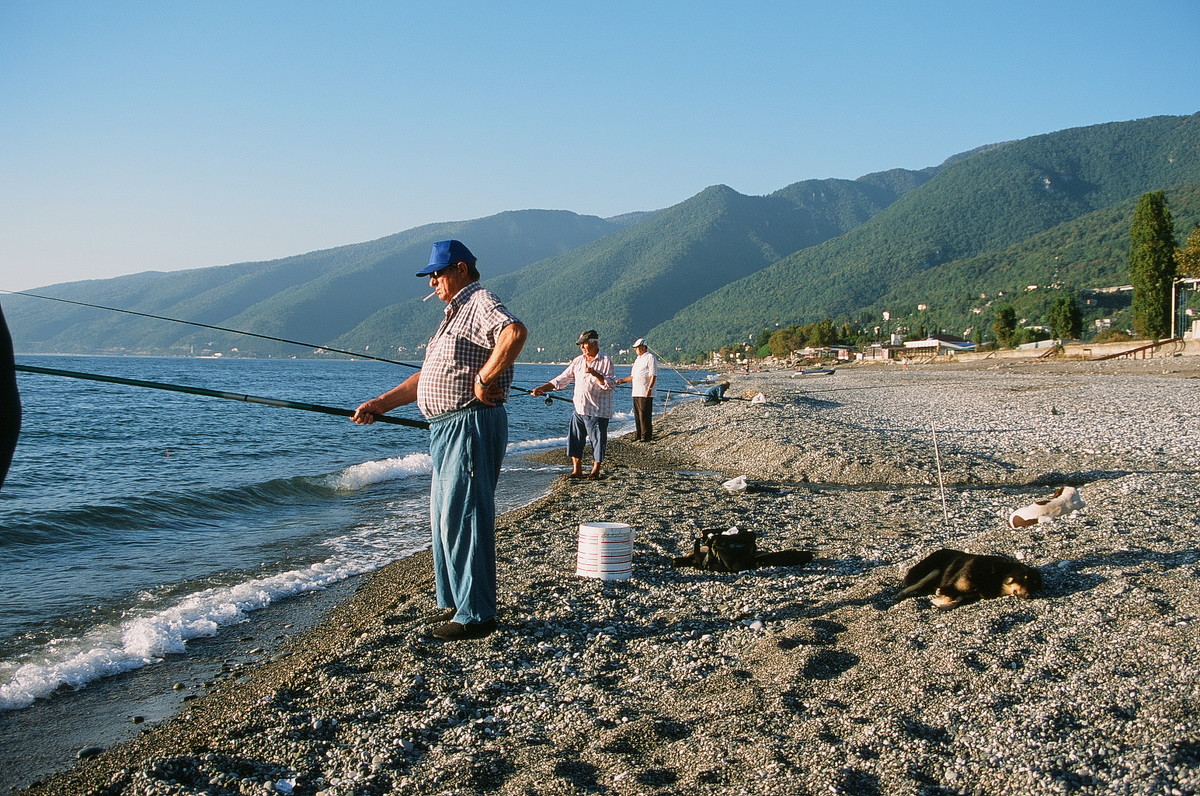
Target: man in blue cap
[461,388]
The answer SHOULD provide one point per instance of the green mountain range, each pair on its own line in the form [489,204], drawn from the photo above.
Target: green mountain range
[316,297]
[988,202]
[956,240]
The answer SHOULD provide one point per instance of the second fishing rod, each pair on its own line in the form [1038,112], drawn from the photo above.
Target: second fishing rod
[314,346]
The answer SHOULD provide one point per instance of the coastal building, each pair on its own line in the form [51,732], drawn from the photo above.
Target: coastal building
[937,344]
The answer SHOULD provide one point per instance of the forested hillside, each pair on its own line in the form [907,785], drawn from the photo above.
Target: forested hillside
[626,283]
[562,271]
[314,297]
[1091,251]
[985,203]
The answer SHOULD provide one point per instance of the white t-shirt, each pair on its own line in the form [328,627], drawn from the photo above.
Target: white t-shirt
[645,369]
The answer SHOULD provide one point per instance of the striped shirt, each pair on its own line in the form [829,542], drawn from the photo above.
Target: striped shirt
[459,349]
[591,398]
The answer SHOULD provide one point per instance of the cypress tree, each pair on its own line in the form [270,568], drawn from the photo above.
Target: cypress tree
[1066,321]
[1152,266]
[1004,327]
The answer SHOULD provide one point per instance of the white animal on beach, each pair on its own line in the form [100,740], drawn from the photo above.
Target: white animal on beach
[739,484]
[1066,500]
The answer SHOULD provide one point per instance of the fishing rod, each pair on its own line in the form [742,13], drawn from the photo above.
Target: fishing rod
[855,389]
[253,399]
[669,393]
[232,331]
[687,391]
[215,328]
[660,357]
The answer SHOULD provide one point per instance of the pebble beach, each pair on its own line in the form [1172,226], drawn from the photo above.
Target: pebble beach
[782,680]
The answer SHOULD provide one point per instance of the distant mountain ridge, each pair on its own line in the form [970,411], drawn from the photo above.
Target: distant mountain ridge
[714,269]
[986,202]
[362,297]
[640,277]
[314,297]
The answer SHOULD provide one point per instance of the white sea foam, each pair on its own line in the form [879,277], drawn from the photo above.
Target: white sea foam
[621,423]
[534,444]
[147,637]
[358,476]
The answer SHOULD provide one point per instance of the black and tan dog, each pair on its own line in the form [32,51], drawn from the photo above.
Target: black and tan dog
[954,577]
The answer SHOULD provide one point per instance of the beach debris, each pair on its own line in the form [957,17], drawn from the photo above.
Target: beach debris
[735,550]
[605,551]
[758,398]
[739,484]
[1066,500]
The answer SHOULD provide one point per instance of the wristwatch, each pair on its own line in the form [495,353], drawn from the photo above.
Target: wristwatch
[479,380]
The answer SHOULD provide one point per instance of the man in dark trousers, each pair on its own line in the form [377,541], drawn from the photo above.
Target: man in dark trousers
[643,376]
[461,389]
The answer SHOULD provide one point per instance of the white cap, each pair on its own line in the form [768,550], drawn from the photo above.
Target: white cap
[638,343]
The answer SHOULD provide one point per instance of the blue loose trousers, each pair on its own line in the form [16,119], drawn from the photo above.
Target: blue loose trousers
[467,448]
[584,428]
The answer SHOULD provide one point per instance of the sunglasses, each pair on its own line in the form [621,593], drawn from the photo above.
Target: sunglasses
[442,271]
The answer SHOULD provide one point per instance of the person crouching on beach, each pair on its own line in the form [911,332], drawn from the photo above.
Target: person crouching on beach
[716,393]
[592,373]
[461,389]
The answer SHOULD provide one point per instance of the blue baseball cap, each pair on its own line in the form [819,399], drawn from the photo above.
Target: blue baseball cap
[447,252]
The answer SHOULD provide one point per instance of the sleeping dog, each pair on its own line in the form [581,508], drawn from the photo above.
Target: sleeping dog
[954,577]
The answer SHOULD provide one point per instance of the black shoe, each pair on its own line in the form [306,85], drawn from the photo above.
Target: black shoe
[455,631]
[443,615]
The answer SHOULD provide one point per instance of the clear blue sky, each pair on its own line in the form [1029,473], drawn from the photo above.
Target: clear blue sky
[175,134]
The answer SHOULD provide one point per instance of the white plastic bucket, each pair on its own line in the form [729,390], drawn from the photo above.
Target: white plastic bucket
[605,551]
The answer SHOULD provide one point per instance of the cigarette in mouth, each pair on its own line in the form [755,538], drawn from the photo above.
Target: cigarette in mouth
[431,295]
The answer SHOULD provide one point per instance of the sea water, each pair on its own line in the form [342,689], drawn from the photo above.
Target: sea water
[135,521]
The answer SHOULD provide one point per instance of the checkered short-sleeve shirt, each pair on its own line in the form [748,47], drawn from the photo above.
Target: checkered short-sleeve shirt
[458,350]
